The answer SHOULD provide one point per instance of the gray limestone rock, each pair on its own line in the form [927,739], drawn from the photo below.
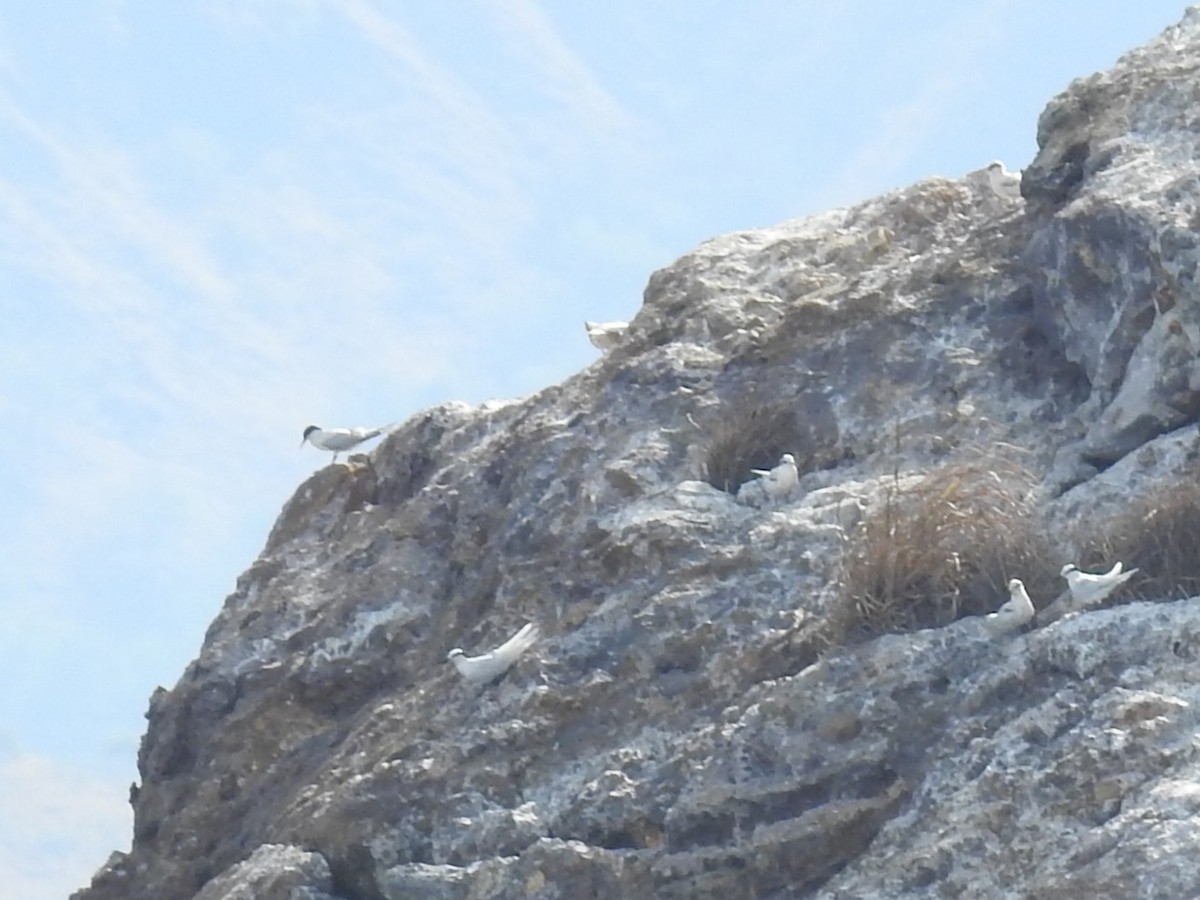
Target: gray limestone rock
[273,872]
[1113,255]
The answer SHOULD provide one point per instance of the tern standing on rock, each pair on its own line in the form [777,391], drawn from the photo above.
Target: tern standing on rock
[1088,589]
[779,481]
[606,336]
[485,667]
[337,440]
[1013,614]
[1083,589]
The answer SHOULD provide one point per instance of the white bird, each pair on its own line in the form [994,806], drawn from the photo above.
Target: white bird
[1088,589]
[606,335]
[338,439]
[1003,182]
[482,669]
[997,180]
[779,481]
[1013,614]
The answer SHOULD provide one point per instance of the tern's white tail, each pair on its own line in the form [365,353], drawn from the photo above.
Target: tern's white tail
[519,642]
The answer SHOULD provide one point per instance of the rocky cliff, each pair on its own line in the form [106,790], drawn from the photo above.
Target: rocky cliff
[692,724]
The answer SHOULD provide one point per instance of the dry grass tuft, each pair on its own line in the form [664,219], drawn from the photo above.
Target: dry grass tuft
[1159,532]
[752,433]
[943,549]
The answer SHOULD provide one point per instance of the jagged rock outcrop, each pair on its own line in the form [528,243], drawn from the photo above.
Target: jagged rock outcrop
[683,729]
[1114,257]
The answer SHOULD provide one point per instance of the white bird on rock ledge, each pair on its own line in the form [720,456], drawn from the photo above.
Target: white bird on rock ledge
[779,481]
[337,440]
[1013,614]
[995,179]
[1088,589]
[488,666]
[606,336]
[1083,589]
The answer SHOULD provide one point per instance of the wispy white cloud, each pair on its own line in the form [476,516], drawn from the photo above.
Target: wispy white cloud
[103,178]
[558,70]
[447,92]
[462,176]
[97,231]
[57,826]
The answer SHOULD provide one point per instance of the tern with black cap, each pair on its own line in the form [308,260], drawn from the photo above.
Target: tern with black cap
[338,440]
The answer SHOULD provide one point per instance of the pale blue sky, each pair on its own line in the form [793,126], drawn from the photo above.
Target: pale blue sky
[223,220]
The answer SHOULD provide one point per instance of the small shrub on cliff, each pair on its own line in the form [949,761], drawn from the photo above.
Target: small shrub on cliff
[942,549]
[1159,533]
[751,433]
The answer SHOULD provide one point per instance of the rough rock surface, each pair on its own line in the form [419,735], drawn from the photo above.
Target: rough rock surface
[681,731]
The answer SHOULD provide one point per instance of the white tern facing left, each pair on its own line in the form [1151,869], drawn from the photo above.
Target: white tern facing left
[483,668]
[337,440]
[1088,589]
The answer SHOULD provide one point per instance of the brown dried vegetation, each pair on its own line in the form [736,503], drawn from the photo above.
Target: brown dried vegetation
[752,433]
[942,549]
[1159,533]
